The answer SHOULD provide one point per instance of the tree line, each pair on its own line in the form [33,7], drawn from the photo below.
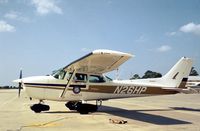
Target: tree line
[152,74]
[8,87]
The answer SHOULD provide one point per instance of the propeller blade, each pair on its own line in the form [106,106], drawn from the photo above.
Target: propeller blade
[19,91]
[20,76]
[20,83]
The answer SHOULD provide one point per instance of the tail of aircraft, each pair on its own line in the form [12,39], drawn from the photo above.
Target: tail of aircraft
[178,75]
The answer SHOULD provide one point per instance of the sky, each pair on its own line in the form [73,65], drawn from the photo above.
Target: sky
[40,36]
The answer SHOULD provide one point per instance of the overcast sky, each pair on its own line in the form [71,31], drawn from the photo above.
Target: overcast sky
[43,35]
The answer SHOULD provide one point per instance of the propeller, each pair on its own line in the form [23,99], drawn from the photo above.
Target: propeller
[20,83]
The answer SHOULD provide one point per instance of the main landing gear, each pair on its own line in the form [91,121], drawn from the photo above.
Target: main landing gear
[37,108]
[82,108]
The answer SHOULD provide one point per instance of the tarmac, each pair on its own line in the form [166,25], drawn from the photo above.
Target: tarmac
[169,112]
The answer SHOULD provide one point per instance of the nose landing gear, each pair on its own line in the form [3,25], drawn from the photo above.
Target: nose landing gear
[37,108]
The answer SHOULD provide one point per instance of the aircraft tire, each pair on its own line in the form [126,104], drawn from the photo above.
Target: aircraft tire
[86,108]
[37,108]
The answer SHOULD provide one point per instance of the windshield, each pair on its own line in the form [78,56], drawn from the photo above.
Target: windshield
[108,78]
[59,74]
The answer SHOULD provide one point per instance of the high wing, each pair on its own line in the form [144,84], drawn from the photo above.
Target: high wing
[99,61]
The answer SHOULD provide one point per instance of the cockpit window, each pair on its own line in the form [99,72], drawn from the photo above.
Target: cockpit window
[96,79]
[59,74]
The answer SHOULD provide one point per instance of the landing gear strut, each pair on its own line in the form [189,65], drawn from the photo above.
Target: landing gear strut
[73,105]
[83,108]
[37,108]
[99,103]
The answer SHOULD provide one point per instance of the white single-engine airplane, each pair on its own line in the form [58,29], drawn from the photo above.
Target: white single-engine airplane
[83,80]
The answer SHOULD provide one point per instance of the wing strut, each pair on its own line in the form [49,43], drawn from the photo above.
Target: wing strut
[68,83]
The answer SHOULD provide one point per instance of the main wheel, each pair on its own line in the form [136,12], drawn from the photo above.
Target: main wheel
[86,108]
[83,109]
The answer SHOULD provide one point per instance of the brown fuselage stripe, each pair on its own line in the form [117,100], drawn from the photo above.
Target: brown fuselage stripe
[111,89]
[193,81]
[182,85]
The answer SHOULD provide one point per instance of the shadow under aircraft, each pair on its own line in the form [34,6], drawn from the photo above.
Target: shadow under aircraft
[139,115]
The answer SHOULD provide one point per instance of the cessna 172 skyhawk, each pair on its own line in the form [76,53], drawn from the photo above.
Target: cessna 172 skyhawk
[84,80]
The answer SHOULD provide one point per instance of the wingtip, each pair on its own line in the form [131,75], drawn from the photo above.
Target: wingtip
[106,51]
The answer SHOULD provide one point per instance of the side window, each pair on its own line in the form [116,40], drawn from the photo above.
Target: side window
[96,79]
[80,77]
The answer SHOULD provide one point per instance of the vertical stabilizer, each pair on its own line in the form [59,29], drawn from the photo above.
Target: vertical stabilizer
[179,73]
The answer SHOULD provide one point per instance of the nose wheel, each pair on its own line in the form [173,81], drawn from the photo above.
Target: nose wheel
[37,108]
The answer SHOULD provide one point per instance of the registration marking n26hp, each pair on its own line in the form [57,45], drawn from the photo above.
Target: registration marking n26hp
[130,90]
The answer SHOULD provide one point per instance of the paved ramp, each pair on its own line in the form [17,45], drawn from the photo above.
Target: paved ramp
[170,112]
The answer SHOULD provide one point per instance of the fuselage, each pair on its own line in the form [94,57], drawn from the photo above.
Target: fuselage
[90,87]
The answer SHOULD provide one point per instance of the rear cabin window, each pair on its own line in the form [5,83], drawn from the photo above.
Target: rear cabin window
[96,79]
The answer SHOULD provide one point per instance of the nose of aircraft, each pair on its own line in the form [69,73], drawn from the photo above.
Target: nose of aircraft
[34,79]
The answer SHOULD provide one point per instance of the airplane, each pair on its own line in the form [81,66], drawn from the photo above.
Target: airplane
[84,80]
[193,84]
